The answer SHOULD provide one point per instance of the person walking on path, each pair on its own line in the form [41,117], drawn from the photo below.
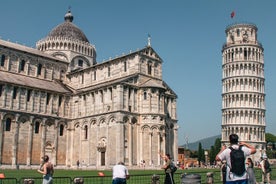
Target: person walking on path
[47,170]
[120,174]
[223,171]
[169,174]
[265,167]
[250,171]
[226,153]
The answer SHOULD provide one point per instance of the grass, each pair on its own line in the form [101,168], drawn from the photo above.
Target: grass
[25,173]
[22,173]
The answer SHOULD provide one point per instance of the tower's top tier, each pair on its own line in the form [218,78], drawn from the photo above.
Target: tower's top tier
[241,33]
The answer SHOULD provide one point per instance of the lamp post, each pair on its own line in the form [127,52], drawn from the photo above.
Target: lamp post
[206,157]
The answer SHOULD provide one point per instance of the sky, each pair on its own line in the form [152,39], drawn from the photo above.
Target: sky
[187,34]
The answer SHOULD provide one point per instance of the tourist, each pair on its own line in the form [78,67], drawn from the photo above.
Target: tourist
[250,171]
[120,174]
[225,154]
[47,170]
[265,167]
[169,175]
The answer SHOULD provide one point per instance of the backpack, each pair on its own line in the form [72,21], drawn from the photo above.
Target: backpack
[267,166]
[237,161]
[173,167]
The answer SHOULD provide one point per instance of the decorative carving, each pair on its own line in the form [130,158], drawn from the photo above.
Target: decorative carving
[101,145]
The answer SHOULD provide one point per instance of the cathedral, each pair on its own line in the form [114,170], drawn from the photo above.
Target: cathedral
[56,99]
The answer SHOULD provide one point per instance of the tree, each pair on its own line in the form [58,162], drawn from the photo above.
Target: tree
[200,157]
[270,138]
[214,150]
[270,145]
[217,146]
[212,155]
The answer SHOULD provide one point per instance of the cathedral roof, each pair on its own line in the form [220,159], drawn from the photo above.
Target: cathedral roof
[68,30]
[14,78]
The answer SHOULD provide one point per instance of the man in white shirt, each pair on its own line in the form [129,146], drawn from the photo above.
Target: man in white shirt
[224,154]
[265,171]
[120,174]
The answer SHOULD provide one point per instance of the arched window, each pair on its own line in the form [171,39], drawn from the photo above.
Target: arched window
[14,93]
[29,92]
[1,88]
[39,69]
[149,69]
[125,66]
[80,63]
[85,132]
[95,75]
[108,71]
[22,65]
[59,100]
[8,124]
[37,127]
[3,58]
[61,129]
[145,95]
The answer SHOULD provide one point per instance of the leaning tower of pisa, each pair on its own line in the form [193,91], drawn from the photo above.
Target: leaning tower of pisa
[243,95]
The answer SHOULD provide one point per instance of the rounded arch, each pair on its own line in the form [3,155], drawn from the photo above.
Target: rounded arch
[23,118]
[9,115]
[84,123]
[102,121]
[64,123]
[60,55]
[145,128]
[155,127]
[77,124]
[111,119]
[50,122]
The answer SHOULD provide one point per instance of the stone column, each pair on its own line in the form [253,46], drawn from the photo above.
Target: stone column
[150,146]
[120,97]
[120,142]
[2,122]
[15,140]
[30,141]
[140,148]
[158,147]
[54,159]
[127,99]
[130,144]
[43,137]
[69,144]
[107,151]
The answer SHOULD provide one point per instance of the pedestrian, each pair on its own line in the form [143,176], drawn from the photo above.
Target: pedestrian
[169,174]
[47,170]
[235,156]
[250,171]
[223,171]
[265,167]
[120,174]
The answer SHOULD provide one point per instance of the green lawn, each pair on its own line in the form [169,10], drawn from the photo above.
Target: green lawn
[137,174]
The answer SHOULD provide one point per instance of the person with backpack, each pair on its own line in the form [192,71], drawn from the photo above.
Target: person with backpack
[167,168]
[235,156]
[265,166]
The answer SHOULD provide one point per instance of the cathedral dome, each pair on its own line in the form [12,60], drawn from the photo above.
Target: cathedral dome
[68,30]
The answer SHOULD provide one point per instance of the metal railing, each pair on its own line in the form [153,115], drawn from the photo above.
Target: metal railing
[134,179]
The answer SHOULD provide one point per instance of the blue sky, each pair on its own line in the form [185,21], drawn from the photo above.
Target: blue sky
[187,34]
